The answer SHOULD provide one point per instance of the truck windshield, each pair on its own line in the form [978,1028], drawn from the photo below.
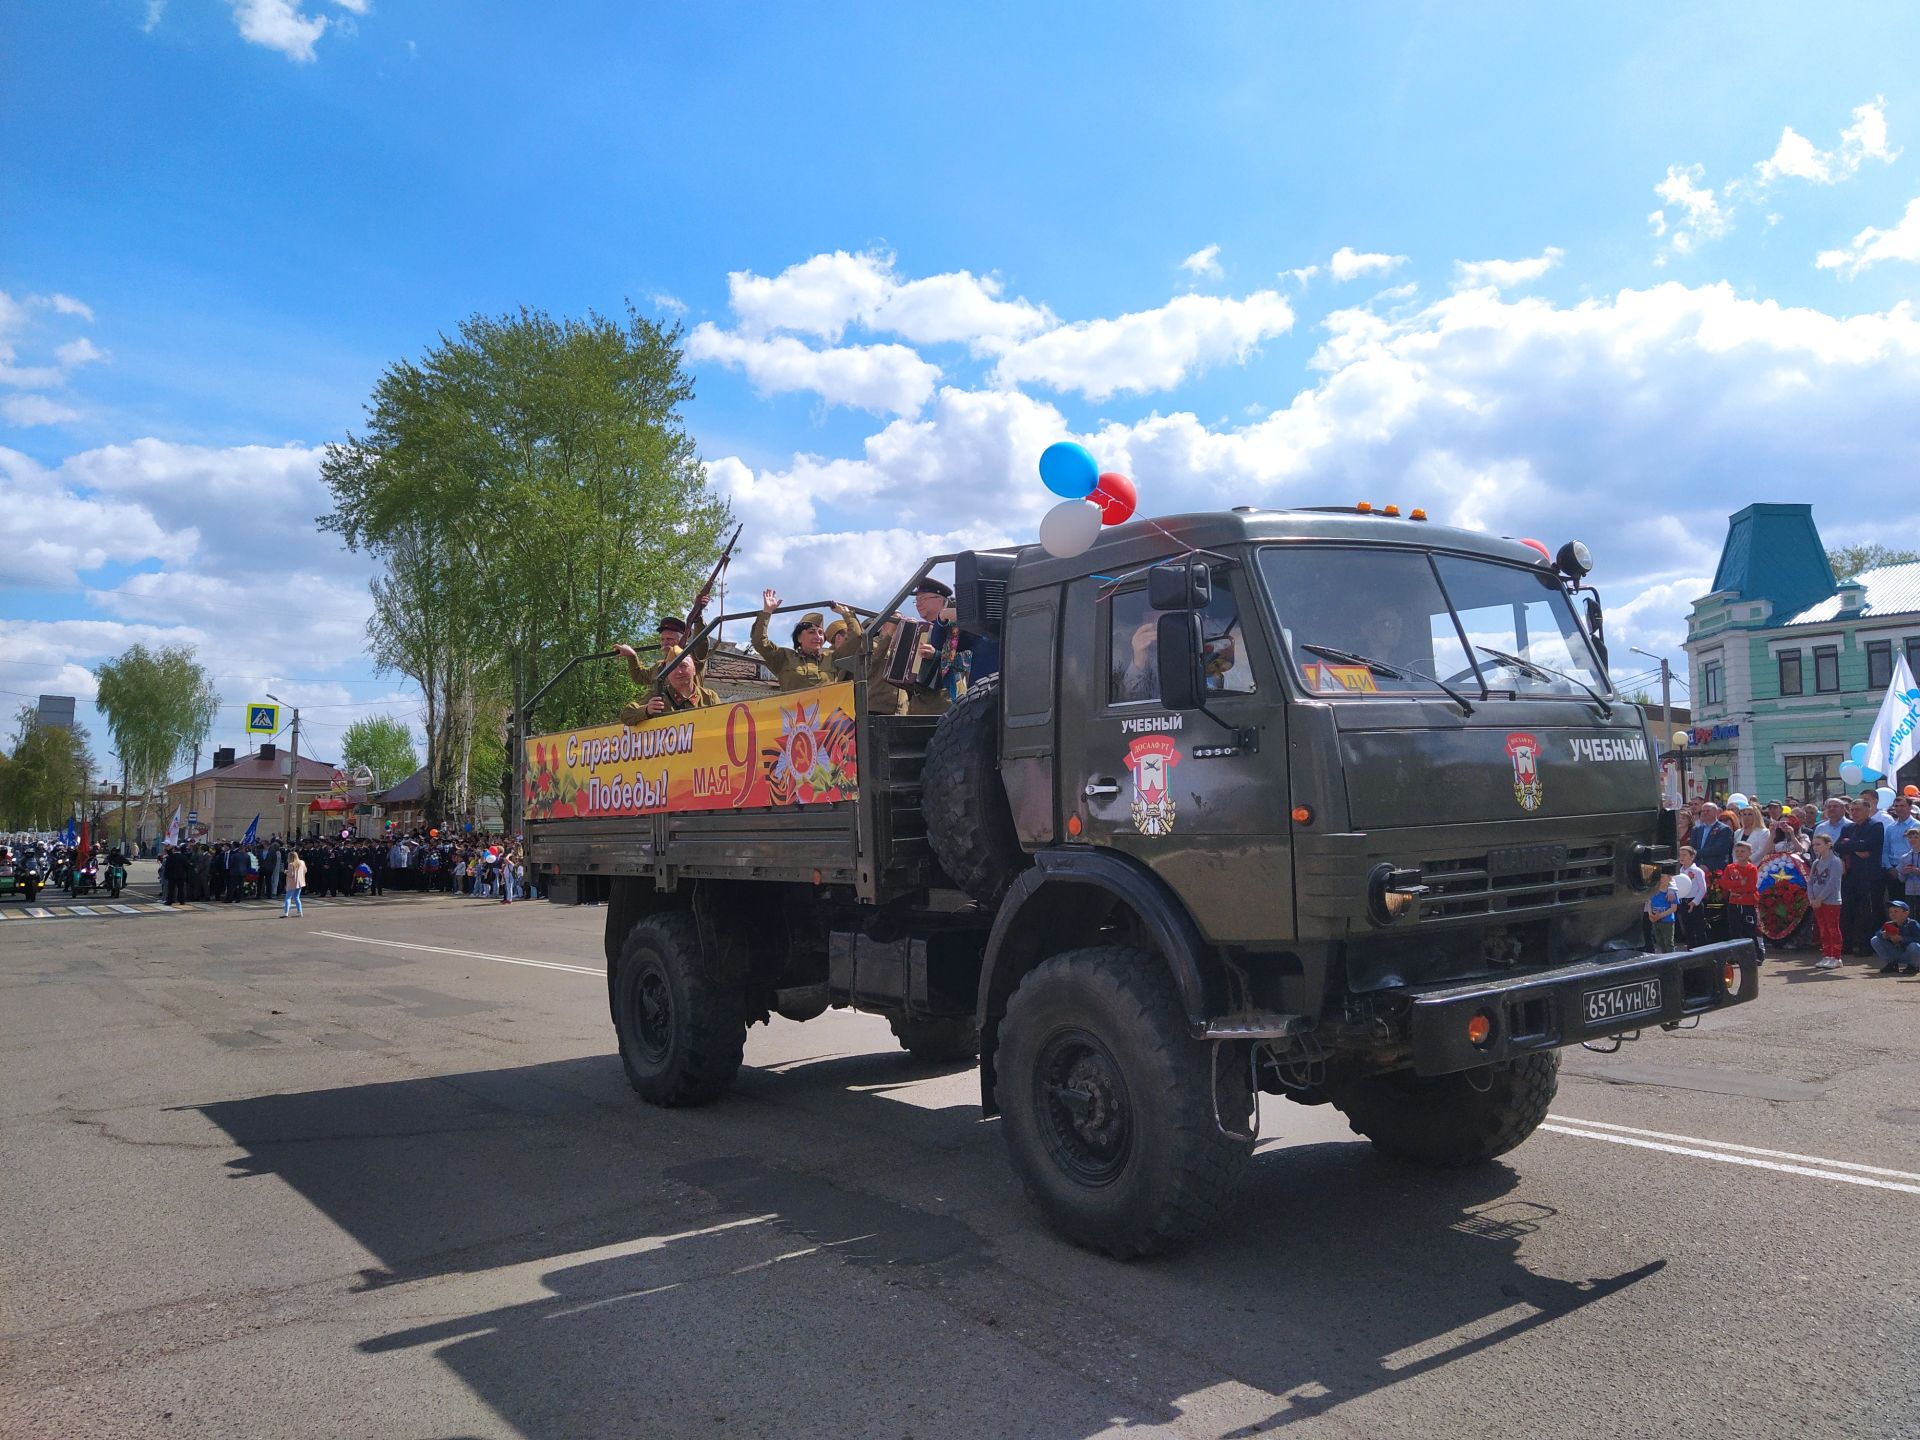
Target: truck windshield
[1419,613]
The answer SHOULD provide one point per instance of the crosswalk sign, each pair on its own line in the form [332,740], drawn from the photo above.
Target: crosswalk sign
[263,719]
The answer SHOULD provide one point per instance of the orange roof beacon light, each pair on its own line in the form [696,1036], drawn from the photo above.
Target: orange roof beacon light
[1390,510]
[1416,514]
[1365,507]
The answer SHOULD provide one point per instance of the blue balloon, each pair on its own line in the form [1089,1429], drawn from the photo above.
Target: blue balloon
[1858,754]
[1867,772]
[1069,470]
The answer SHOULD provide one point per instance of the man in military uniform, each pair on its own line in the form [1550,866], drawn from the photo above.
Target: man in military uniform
[809,662]
[883,696]
[682,691]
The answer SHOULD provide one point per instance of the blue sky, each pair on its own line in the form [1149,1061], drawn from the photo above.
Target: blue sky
[914,243]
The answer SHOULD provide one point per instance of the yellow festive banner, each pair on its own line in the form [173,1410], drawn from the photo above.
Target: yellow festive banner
[791,749]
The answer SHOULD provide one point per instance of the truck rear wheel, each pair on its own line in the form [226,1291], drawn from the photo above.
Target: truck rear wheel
[1108,1104]
[681,1033]
[969,823]
[1462,1119]
[937,1041]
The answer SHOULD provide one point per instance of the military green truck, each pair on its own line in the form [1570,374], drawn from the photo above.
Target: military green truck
[1337,805]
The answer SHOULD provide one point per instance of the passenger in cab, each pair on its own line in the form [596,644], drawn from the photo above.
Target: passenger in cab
[809,662]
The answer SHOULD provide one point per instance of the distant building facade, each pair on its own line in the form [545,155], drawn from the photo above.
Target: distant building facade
[228,795]
[1787,667]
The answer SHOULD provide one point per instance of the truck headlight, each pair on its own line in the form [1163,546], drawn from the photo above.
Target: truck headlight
[1393,894]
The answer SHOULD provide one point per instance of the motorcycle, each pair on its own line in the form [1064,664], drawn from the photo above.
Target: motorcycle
[83,880]
[116,879]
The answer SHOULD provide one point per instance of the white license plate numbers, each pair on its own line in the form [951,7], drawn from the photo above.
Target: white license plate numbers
[1620,1002]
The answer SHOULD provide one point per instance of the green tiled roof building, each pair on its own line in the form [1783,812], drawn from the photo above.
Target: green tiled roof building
[1788,667]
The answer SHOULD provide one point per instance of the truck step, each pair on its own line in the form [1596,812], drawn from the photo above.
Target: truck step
[1256,1025]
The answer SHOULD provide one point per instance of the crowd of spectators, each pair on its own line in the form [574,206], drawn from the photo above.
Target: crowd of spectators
[1859,865]
[481,865]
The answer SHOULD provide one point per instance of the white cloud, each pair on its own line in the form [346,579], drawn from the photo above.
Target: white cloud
[1872,245]
[1148,350]
[1504,274]
[1797,158]
[358,7]
[24,410]
[155,9]
[825,294]
[1204,263]
[1349,264]
[66,305]
[672,304]
[279,25]
[886,379]
[28,375]
[1696,211]
[1303,274]
[76,353]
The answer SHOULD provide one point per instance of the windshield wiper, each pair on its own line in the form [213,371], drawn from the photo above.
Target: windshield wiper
[1547,672]
[1386,671]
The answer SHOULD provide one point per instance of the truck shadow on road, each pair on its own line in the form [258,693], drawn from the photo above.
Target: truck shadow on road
[818,1256]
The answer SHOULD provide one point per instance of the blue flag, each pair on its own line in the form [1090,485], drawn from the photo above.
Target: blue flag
[69,836]
[253,831]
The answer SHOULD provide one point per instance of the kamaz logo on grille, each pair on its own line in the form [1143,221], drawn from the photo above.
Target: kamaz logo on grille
[1614,747]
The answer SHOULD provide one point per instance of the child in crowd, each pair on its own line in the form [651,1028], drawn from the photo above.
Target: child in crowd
[1741,880]
[1823,898]
[1692,919]
[1661,906]
[1898,942]
[1910,868]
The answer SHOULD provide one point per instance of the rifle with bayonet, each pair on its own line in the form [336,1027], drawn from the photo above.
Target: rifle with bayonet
[706,591]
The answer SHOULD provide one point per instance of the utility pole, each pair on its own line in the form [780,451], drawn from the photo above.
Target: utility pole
[516,751]
[293,770]
[1665,733]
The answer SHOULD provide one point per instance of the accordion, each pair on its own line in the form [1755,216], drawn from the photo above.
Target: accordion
[905,668]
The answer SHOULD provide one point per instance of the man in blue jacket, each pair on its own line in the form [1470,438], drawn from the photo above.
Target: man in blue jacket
[1712,840]
[1860,848]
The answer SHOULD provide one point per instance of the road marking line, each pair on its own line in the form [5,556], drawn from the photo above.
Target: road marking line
[83,910]
[125,909]
[1841,1175]
[1743,1149]
[465,954]
[39,912]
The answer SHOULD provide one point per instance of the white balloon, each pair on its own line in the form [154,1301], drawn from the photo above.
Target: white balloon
[1069,528]
[1887,796]
[1682,886]
[1851,773]
[1737,801]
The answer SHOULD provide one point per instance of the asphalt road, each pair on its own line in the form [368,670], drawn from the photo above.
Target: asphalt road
[376,1172]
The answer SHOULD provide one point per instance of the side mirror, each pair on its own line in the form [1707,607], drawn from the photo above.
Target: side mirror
[1177,654]
[1597,627]
[1180,585]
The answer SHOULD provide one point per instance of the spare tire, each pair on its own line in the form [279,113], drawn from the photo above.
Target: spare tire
[969,823]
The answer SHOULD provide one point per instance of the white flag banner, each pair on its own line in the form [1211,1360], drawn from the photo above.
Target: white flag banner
[173,828]
[1896,729]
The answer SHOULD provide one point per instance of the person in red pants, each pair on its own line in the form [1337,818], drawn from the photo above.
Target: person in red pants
[1741,880]
[1823,898]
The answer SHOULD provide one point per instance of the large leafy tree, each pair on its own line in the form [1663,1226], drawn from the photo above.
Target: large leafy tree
[384,745]
[45,777]
[533,495]
[159,704]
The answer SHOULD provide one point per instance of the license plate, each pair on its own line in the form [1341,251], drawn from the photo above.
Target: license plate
[1618,1002]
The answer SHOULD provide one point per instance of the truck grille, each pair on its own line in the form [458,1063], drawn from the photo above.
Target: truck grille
[1500,882]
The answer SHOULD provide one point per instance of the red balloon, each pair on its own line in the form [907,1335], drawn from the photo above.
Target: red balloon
[1116,497]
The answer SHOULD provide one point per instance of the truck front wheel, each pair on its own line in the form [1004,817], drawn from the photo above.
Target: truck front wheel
[681,1033]
[1461,1119]
[1108,1104]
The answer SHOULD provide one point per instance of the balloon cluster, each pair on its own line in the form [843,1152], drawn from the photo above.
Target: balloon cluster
[1855,769]
[1092,499]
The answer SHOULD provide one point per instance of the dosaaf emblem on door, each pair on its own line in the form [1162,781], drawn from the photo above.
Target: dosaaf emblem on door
[1524,750]
[1151,758]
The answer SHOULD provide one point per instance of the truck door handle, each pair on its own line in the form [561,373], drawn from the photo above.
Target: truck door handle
[1100,787]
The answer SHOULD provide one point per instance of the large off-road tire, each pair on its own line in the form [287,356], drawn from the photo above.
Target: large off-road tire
[969,823]
[1451,1119]
[937,1041]
[1107,1103]
[681,1033]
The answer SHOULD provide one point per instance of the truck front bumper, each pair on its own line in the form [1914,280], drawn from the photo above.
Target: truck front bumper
[1587,1001]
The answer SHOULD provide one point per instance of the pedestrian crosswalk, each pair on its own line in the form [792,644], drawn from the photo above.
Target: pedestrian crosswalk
[125,909]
